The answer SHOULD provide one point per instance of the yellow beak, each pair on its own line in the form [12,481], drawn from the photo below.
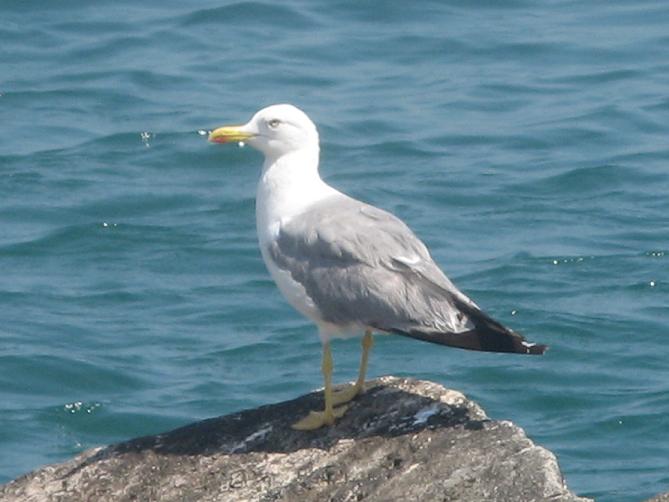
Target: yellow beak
[227,134]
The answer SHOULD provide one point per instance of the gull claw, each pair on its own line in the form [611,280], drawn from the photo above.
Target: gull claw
[317,419]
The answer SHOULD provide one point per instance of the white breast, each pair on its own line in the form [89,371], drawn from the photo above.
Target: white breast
[287,187]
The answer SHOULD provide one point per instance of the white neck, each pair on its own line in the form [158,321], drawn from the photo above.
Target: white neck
[288,185]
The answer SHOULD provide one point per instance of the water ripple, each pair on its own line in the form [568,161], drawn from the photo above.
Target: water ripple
[525,143]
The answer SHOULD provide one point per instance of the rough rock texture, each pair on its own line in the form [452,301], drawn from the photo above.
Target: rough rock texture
[401,440]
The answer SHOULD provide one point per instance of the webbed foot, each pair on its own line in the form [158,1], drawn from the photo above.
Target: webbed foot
[317,419]
[347,393]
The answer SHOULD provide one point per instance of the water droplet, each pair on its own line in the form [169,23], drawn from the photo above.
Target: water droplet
[73,407]
[146,138]
[79,406]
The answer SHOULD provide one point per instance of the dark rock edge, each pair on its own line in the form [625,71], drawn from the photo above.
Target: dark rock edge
[403,439]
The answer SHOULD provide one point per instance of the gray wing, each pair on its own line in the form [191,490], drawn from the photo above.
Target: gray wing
[362,265]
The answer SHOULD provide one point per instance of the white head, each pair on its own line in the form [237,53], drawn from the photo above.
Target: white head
[276,131]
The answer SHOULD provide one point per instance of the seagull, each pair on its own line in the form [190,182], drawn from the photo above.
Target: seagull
[350,267]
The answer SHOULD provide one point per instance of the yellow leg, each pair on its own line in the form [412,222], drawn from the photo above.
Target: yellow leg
[367,344]
[348,393]
[326,369]
[317,419]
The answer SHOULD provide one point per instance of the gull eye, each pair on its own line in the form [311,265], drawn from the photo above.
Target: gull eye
[274,123]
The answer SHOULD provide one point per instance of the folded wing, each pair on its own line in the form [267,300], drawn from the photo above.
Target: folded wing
[362,266]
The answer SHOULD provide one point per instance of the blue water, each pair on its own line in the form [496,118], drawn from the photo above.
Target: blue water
[527,143]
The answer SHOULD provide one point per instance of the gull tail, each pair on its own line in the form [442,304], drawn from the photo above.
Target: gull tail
[488,335]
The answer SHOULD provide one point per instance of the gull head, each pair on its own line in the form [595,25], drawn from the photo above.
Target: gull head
[276,131]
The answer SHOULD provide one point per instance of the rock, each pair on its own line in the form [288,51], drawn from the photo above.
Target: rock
[401,440]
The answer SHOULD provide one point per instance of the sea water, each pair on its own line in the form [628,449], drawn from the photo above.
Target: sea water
[527,143]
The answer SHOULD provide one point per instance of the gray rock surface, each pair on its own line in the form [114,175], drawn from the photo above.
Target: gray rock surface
[402,440]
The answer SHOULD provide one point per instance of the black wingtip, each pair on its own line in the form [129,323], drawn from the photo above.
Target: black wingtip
[534,349]
[539,349]
[488,335]
[486,340]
